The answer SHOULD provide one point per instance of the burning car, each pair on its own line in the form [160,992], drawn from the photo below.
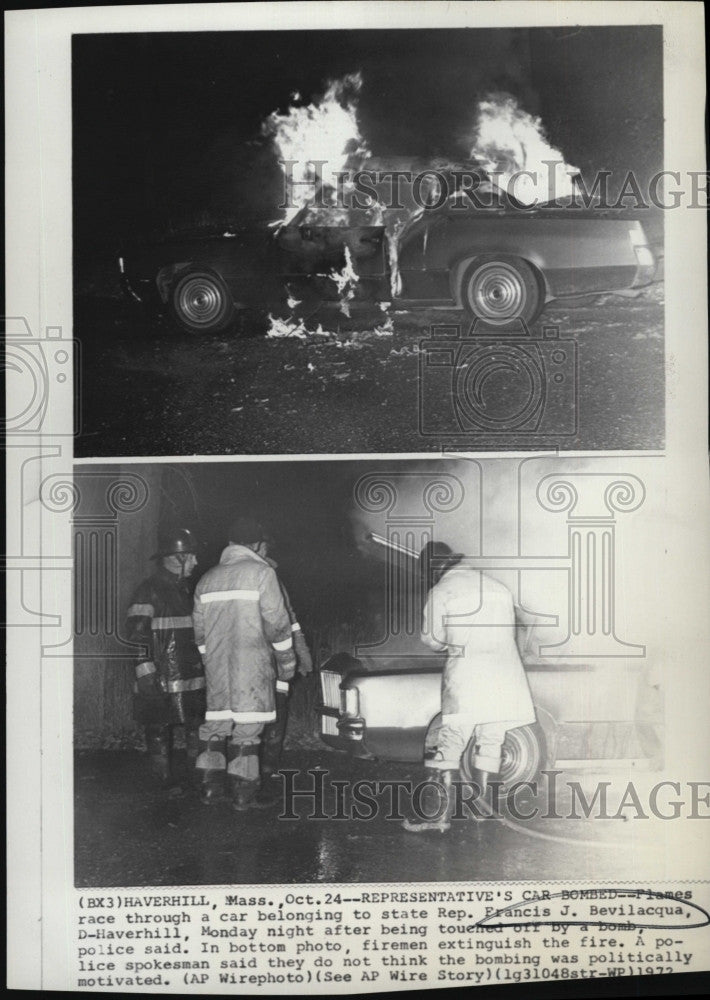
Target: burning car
[445,236]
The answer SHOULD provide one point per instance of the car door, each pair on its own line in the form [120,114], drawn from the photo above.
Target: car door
[314,243]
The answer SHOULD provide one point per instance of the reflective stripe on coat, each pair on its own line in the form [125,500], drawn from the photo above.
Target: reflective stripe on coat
[243,625]
[160,619]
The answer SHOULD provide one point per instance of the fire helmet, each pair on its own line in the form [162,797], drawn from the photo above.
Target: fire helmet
[435,559]
[178,543]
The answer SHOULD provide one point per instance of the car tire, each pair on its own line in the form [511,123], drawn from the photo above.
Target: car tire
[200,302]
[524,754]
[502,292]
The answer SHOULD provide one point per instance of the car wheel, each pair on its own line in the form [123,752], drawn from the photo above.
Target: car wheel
[201,303]
[523,754]
[502,292]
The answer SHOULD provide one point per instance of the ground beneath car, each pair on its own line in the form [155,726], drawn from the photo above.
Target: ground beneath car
[147,390]
[129,833]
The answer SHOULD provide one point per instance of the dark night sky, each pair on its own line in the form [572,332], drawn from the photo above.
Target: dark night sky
[165,124]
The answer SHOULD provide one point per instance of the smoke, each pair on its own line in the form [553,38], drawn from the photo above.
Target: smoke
[509,141]
[474,506]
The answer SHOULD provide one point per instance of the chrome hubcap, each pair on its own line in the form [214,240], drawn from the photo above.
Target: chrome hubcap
[497,293]
[509,763]
[200,300]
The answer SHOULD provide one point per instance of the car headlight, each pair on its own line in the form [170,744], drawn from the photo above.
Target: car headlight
[350,702]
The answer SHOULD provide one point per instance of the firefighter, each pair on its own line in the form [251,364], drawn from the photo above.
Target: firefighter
[170,680]
[274,733]
[484,690]
[243,631]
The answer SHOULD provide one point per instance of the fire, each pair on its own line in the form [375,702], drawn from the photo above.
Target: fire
[345,281]
[392,235]
[280,328]
[508,143]
[326,130]
[508,140]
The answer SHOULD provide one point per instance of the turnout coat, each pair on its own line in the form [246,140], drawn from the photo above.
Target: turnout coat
[473,615]
[243,630]
[160,620]
[301,651]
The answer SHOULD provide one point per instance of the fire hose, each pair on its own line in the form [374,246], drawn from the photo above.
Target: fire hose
[614,845]
[483,806]
[389,544]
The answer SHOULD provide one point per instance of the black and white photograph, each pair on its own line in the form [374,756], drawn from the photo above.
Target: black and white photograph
[357,497]
[406,241]
[324,702]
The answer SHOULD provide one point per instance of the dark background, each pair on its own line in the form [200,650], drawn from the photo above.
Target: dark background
[167,125]
[304,506]
[167,137]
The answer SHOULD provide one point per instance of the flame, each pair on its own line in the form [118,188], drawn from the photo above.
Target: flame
[508,140]
[508,143]
[283,328]
[393,233]
[345,281]
[326,130]
[280,328]
[385,329]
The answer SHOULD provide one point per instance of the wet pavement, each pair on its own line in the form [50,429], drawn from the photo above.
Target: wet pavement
[128,832]
[357,391]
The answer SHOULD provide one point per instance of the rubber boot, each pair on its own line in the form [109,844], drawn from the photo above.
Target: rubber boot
[247,795]
[270,756]
[480,780]
[242,793]
[441,797]
[484,797]
[486,794]
[192,745]
[212,770]
[211,787]
[192,749]
[269,793]
[157,739]
[244,757]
